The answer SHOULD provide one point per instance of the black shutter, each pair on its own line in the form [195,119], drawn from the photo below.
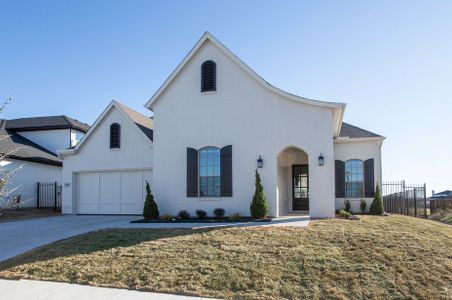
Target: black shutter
[340,179]
[115,135]
[208,76]
[226,171]
[369,182]
[192,172]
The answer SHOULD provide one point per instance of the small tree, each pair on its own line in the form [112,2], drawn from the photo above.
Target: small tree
[8,197]
[150,210]
[258,207]
[376,208]
[363,206]
[348,207]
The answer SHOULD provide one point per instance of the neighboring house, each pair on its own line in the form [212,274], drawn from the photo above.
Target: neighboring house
[215,121]
[31,144]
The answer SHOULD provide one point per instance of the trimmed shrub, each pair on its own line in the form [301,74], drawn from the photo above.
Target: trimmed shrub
[363,206]
[258,207]
[201,213]
[183,215]
[166,217]
[219,212]
[376,208]
[344,214]
[235,217]
[347,206]
[150,210]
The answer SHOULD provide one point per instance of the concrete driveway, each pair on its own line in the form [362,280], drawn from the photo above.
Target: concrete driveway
[20,236]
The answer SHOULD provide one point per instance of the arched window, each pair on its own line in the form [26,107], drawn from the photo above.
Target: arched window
[354,178]
[115,136]
[209,172]
[208,76]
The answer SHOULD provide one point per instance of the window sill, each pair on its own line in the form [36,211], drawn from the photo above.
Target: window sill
[210,198]
[115,149]
[208,92]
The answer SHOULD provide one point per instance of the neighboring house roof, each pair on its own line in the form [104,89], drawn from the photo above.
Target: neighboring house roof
[142,123]
[337,107]
[351,131]
[46,123]
[15,146]
[443,194]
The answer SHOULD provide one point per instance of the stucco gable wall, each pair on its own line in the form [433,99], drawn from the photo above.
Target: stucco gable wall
[244,114]
[95,154]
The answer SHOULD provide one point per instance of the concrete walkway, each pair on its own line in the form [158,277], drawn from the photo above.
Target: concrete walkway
[20,236]
[45,290]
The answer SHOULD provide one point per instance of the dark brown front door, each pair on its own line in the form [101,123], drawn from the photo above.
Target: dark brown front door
[300,187]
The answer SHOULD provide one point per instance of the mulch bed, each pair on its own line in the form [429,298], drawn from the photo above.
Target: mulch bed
[206,220]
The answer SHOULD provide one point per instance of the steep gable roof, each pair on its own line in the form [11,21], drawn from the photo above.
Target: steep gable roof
[337,107]
[351,131]
[46,123]
[142,123]
[15,146]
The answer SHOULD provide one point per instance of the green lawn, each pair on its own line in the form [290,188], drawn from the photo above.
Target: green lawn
[376,257]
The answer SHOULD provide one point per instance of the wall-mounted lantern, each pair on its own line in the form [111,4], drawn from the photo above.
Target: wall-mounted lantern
[260,162]
[321,159]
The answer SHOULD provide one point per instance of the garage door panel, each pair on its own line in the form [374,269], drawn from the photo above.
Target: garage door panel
[131,192]
[88,193]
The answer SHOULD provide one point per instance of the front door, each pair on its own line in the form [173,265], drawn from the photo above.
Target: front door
[300,187]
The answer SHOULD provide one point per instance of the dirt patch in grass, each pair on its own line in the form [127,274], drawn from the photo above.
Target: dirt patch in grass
[375,257]
[26,213]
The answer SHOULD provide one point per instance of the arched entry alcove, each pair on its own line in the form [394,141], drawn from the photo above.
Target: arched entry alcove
[293,181]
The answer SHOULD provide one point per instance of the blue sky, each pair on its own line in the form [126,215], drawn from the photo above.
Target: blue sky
[390,61]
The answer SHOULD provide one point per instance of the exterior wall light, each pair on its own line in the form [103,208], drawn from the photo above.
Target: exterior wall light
[321,159]
[260,162]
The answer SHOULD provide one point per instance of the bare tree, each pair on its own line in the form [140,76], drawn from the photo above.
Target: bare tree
[7,200]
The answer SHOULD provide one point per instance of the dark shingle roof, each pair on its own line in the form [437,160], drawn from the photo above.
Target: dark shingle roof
[46,123]
[16,146]
[144,123]
[351,131]
[446,193]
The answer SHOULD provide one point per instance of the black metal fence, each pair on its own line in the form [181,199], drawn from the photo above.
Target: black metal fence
[405,199]
[49,195]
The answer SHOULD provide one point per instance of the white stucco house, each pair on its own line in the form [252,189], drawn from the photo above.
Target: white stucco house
[31,145]
[214,122]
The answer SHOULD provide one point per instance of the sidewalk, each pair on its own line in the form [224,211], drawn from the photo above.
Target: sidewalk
[45,290]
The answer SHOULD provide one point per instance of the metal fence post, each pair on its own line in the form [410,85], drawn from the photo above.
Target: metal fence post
[425,200]
[55,196]
[37,196]
[415,202]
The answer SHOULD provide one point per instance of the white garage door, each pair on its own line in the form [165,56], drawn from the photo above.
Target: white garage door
[112,192]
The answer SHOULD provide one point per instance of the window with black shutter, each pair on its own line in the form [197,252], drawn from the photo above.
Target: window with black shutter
[369,179]
[115,136]
[209,172]
[208,76]
[192,172]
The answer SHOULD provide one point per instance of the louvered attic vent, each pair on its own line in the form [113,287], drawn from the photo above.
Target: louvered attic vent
[208,76]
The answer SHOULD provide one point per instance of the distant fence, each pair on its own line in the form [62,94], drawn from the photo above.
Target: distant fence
[440,204]
[49,195]
[405,199]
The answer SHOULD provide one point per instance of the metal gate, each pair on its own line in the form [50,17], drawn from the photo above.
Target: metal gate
[49,195]
[405,199]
